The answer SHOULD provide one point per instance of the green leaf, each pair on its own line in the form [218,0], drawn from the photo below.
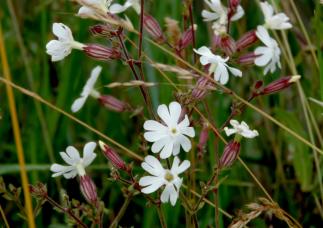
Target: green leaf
[301,155]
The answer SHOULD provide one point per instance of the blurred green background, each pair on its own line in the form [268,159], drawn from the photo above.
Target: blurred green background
[284,165]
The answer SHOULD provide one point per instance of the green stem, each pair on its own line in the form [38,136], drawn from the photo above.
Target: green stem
[161,216]
[122,211]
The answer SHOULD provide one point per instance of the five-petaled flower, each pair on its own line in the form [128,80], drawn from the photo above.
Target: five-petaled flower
[88,90]
[161,177]
[63,46]
[268,55]
[240,129]
[170,135]
[219,14]
[274,21]
[76,164]
[218,65]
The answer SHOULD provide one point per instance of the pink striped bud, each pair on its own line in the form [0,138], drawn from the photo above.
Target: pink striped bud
[204,135]
[88,189]
[186,38]
[225,43]
[246,40]
[112,156]
[247,59]
[153,28]
[279,85]
[113,103]
[203,84]
[230,154]
[101,53]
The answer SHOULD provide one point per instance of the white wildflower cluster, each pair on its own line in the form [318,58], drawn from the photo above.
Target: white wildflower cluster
[168,137]
[267,56]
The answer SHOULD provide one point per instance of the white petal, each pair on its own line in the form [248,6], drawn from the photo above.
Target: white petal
[152,125]
[183,167]
[267,9]
[153,186]
[152,166]
[158,145]
[235,71]
[153,136]
[164,197]
[73,153]
[209,16]
[249,134]
[66,158]
[88,153]
[173,197]
[185,142]
[176,148]
[163,113]
[62,32]
[221,74]
[91,81]
[263,35]
[78,103]
[238,14]
[71,174]
[175,110]
[167,150]
[234,123]
[229,131]
[117,8]
[85,12]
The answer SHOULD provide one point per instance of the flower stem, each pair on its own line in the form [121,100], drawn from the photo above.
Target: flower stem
[161,216]
[122,211]
[142,2]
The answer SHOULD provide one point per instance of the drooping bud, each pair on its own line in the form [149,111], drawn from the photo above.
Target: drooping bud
[112,156]
[203,85]
[88,189]
[247,59]
[279,84]
[204,135]
[225,43]
[246,40]
[104,30]
[230,154]
[186,38]
[113,103]
[101,53]
[153,28]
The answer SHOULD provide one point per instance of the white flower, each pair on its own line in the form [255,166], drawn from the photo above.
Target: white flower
[218,65]
[219,14]
[91,8]
[277,21]
[88,90]
[76,164]
[268,55]
[170,136]
[241,129]
[161,177]
[62,47]
[117,8]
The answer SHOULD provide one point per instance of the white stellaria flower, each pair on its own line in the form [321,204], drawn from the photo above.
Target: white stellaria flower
[76,164]
[219,14]
[268,55]
[218,65]
[274,21]
[240,129]
[88,90]
[163,177]
[168,137]
[64,44]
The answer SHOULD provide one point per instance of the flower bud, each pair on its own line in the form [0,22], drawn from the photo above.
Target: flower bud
[112,156]
[103,30]
[153,28]
[225,43]
[186,38]
[203,84]
[113,103]
[279,84]
[88,189]
[247,59]
[246,40]
[204,135]
[102,53]
[230,154]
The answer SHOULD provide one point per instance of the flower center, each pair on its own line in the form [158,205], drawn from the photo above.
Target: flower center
[80,168]
[169,176]
[173,130]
